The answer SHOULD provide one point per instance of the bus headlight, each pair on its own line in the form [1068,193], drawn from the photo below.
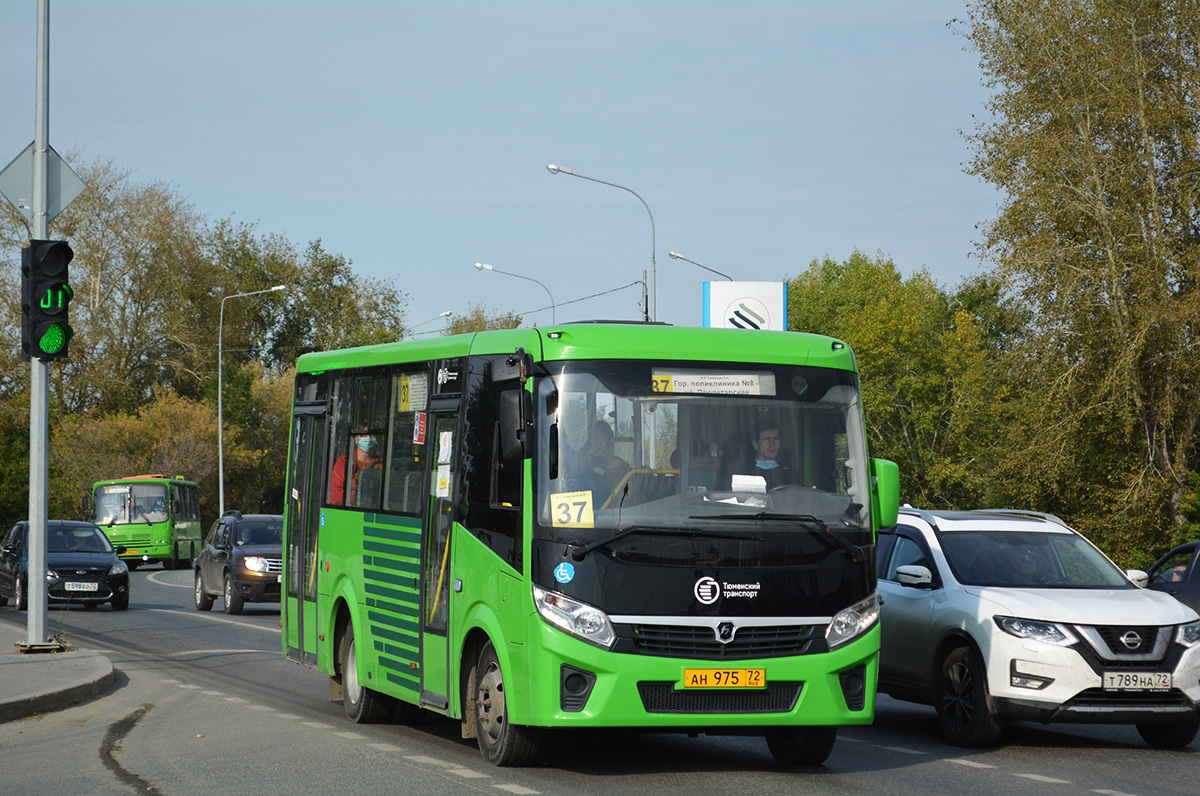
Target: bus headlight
[852,622]
[579,619]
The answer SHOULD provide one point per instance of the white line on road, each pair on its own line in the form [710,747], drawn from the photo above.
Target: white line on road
[222,652]
[1040,778]
[430,761]
[962,761]
[904,751]
[210,618]
[467,773]
[1112,793]
[516,789]
[153,577]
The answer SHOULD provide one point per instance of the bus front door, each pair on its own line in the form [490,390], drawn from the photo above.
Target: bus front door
[303,518]
[436,575]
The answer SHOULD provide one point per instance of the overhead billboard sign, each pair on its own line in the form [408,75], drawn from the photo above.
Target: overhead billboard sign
[746,305]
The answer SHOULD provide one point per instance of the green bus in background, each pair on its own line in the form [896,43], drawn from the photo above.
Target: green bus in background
[589,525]
[155,517]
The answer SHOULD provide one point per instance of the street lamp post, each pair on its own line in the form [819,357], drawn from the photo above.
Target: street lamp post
[553,309]
[678,256]
[220,396]
[648,313]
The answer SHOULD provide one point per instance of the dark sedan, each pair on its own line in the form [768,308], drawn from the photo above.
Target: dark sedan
[82,567]
[1178,574]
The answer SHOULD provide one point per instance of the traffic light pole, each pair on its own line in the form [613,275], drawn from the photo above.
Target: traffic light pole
[39,392]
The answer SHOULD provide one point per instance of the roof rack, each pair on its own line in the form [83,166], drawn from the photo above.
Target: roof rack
[1041,515]
[928,516]
[232,513]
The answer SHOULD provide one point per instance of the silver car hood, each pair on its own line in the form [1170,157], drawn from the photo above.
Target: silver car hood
[1088,606]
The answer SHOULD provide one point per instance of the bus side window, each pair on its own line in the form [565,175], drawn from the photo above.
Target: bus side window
[492,488]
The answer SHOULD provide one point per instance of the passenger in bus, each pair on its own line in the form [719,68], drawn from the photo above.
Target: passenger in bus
[366,457]
[603,469]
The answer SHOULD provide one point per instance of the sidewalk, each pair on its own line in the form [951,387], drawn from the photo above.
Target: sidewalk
[32,683]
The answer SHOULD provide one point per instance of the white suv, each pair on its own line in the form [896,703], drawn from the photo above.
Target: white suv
[994,615]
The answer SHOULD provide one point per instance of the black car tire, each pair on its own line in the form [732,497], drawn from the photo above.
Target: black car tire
[204,601]
[801,746]
[363,705]
[120,602]
[501,742]
[962,702]
[1170,736]
[233,600]
[21,602]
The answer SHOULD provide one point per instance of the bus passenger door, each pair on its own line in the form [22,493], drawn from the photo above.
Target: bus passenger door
[303,517]
[436,572]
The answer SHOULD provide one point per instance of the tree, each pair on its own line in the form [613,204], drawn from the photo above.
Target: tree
[1093,140]
[479,319]
[930,402]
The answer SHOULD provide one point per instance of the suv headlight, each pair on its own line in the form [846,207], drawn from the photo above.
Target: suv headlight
[255,563]
[577,618]
[1049,632]
[852,622]
[1188,635]
[119,568]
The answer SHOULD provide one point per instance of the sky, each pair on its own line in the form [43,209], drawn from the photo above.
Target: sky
[413,137]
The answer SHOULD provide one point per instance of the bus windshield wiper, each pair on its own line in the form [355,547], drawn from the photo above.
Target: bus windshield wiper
[824,532]
[579,551]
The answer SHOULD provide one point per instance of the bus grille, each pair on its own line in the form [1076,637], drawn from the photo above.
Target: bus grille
[665,698]
[681,641]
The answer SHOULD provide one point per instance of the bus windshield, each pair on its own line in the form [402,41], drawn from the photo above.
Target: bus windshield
[757,460]
[125,504]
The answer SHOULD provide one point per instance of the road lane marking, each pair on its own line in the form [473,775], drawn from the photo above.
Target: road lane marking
[153,578]
[260,707]
[516,789]
[317,725]
[467,773]
[432,761]
[287,716]
[236,699]
[962,761]
[210,618]
[213,693]
[386,747]
[222,652]
[1040,778]
[903,751]
[1112,793]
[351,736]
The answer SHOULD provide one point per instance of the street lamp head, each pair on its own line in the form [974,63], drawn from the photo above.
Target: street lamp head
[675,255]
[556,169]
[483,267]
[278,288]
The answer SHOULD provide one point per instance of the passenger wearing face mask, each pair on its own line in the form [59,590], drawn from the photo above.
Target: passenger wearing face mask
[366,457]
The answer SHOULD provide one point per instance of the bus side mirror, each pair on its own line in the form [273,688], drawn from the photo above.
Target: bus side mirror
[85,506]
[516,425]
[885,492]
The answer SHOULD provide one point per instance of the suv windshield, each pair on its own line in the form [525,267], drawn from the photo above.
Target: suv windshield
[252,532]
[1029,560]
[677,462]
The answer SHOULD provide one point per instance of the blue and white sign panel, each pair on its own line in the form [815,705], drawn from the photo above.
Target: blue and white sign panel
[746,305]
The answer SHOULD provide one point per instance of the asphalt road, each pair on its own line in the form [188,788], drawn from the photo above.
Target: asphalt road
[206,704]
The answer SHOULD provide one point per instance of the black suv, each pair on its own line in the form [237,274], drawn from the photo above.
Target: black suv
[242,561]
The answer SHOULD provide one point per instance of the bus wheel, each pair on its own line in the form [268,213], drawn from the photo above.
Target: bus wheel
[362,705]
[204,601]
[801,746]
[500,742]
[233,600]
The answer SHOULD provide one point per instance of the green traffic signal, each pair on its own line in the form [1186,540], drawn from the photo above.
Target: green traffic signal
[45,299]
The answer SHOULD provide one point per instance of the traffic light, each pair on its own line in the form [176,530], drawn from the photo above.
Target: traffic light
[45,298]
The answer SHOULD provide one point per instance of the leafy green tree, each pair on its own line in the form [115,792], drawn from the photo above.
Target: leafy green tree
[930,402]
[1092,138]
[479,319]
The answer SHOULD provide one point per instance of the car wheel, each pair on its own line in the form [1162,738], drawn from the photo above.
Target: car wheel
[233,601]
[501,742]
[961,701]
[363,705]
[21,603]
[1170,736]
[204,601]
[801,746]
[120,602]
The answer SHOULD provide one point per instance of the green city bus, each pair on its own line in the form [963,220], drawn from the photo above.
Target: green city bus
[155,517]
[573,527]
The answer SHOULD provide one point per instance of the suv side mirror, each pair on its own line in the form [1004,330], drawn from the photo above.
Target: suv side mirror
[914,575]
[1139,577]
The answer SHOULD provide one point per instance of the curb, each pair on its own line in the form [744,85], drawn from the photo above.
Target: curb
[96,679]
